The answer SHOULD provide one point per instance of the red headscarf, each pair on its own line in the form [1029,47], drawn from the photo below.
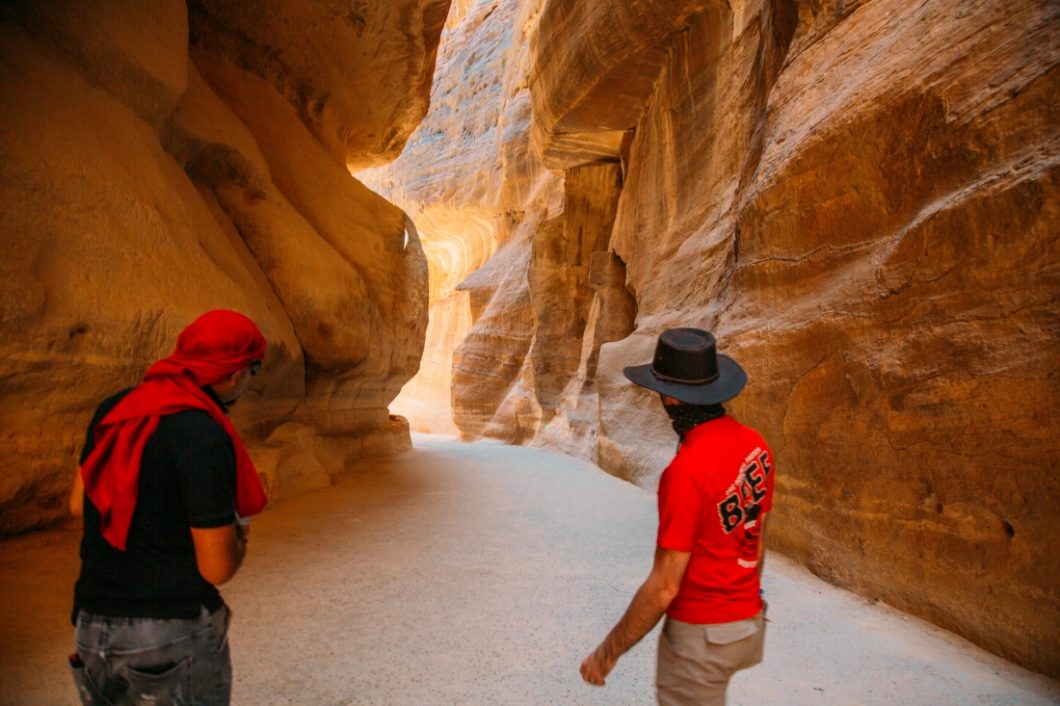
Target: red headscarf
[215,345]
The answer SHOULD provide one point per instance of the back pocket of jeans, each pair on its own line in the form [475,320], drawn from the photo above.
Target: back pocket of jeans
[166,685]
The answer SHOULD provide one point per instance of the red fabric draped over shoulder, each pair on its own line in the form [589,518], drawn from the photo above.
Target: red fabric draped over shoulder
[210,349]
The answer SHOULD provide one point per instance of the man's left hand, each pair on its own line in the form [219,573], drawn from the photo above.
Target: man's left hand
[596,667]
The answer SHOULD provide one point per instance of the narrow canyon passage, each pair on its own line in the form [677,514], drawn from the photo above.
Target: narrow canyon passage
[467,217]
[481,574]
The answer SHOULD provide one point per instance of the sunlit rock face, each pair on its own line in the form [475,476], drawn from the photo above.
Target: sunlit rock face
[526,364]
[877,252]
[861,201]
[901,319]
[859,198]
[146,180]
[474,188]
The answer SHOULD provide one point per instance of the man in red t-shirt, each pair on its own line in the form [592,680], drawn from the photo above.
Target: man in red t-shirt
[713,501]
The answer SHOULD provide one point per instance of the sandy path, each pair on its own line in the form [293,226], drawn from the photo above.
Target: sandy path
[481,574]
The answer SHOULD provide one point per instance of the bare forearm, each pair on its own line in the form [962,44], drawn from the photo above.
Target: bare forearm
[77,495]
[644,612]
[219,552]
[239,549]
[648,605]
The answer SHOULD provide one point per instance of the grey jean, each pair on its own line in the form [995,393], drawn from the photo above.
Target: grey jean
[146,661]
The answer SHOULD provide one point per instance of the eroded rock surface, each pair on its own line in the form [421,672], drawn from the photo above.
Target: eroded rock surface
[470,181]
[145,180]
[860,199]
[358,73]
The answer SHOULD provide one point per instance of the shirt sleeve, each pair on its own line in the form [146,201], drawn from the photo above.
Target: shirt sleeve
[205,464]
[680,508]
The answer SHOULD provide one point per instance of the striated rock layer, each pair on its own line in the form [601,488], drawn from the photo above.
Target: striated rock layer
[475,189]
[860,199]
[145,180]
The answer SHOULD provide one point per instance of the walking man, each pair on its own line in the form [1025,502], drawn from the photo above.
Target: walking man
[713,500]
[164,481]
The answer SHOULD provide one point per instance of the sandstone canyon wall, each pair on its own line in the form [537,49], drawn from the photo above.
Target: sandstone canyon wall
[859,198]
[160,159]
[477,193]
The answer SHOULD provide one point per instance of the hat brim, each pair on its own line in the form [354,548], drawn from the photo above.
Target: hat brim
[731,380]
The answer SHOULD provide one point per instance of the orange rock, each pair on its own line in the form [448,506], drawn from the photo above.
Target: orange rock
[860,199]
[137,194]
[358,75]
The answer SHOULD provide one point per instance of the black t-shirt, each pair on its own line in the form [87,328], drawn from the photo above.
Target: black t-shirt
[187,479]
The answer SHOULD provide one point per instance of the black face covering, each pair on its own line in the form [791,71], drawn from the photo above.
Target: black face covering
[687,416]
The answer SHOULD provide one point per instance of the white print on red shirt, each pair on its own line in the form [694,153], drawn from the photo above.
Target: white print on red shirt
[742,505]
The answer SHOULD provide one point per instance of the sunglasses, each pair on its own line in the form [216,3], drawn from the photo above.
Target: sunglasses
[254,367]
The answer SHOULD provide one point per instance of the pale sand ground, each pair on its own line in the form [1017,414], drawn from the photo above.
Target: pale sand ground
[482,574]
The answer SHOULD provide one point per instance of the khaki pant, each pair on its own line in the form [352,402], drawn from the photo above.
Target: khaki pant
[696,661]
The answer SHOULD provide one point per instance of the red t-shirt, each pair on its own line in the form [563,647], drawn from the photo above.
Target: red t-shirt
[712,499]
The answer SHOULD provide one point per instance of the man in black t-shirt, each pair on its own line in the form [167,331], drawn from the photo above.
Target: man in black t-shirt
[164,479]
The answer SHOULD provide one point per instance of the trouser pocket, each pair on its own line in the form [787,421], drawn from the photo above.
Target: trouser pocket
[222,618]
[87,690]
[164,685]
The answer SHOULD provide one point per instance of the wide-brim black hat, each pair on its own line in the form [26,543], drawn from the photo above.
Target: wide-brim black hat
[688,367]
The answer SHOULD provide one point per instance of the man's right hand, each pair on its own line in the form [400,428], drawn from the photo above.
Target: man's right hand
[596,667]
